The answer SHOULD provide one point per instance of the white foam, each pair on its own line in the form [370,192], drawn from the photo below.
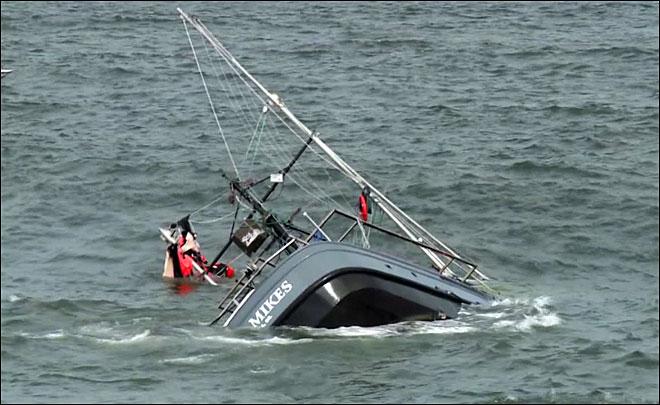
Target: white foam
[435,329]
[97,328]
[503,324]
[140,337]
[354,331]
[541,317]
[262,371]
[199,359]
[508,302]
[401,329]
[54,335]
[543,320]
[58,334]
[141,319]
[14,298]
[494,315]
[253,342]
[538,301]
[542,301]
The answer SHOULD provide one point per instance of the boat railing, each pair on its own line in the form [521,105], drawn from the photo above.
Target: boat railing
[453,265]
[244,287]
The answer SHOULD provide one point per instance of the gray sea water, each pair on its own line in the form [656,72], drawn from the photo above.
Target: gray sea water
[524,134]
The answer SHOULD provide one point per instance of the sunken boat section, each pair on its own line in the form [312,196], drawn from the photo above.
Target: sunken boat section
[329,268]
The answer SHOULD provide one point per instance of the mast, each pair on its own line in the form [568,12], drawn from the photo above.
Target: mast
[273,101]
[286,169]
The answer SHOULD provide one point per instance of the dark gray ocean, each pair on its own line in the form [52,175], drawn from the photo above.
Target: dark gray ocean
[523,134]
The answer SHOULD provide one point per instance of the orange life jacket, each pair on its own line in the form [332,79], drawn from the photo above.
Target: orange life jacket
[185,261]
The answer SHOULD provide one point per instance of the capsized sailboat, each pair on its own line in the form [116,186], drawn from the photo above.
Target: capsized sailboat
[345,256]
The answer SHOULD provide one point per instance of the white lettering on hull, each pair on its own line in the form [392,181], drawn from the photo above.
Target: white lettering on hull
[262,315]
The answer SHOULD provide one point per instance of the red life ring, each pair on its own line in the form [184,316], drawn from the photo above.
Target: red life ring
[364,207]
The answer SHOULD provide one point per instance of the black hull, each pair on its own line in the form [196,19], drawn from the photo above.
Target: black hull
[329,285]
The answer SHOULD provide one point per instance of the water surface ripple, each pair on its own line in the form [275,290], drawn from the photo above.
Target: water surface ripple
[524,134]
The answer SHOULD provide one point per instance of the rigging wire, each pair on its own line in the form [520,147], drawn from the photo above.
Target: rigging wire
[228,59]
[210,221]
[258,132]
[320,190]
[236,105]
[282,154]
[210,99]
[404,221]
[218,198]
[337,162]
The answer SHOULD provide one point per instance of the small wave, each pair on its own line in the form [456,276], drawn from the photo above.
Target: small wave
[533,53]
[62,306]
[141,381]
[624,52]
[351,331]
[391,330]
[544,320]
[102,328]
[122,71]
[641,360]
[404,43]
[540,315]
[100,333]
[589,109]
[509,302]
[199,359]
[518,314]
[54,335]
[261,370]
[551,169]
[444,328]
[140,337]
[542,301]
[15,298]
[439,107]
[141,319]
[58,334]
[495,315]
[312,52]
[133,18]
[253,342]
[83,256]
[413,43]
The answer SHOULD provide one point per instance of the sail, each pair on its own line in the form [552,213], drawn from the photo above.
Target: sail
[268,147]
